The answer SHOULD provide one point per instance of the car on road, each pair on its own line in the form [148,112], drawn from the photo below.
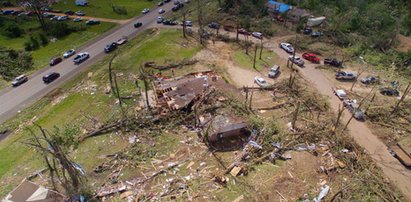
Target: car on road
[92,22]
[160,3]
[161,11]
[69,53]
[50,77]
[110,47]
[77,19]
[138,24]
[389,91]
[160,19]
[214,25]
[121,41]
[19,80]
[257,35]
[243,31]
[347,76]
[333,62]
[80,13]
[370,80]
[340,93]
[287,47]
[145,11]
[274,71]
[62,18]
[296,60]
[81,57]
[69,12]
[311,57]
[55,61]
[261,82]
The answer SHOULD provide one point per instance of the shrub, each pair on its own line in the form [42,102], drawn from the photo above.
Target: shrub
[59,29]
[14,63]
[43,39]
[13,31]
[121,10]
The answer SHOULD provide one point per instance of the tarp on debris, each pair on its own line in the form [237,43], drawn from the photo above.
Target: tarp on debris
[312,22]
[279,7]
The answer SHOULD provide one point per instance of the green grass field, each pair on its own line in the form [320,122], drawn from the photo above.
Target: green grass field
[246,61]
[18,161]
[103,8]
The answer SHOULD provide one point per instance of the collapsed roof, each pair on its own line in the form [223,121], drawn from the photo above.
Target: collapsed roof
[28,191]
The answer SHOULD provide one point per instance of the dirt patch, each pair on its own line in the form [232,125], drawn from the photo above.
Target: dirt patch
[405,43]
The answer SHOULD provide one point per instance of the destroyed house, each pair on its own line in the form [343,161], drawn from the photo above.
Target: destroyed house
[180,93]
[29,191]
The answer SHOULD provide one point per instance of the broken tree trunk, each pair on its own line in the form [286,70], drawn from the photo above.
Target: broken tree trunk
[404,95]
[255,57]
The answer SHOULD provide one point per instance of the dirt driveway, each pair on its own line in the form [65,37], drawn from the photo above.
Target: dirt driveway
[391,167]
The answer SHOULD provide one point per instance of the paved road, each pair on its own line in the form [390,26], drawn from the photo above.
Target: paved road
[13,100]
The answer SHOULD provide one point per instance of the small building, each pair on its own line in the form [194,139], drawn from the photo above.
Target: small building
[228,132]
[29,191]
[81,2]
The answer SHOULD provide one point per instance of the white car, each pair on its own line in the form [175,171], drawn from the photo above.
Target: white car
[340,94]
[161,11]
[257,35]
[261,82]
[62,18]
[287,47]
[145,11]
[69,53]
[296,60]
[81,57]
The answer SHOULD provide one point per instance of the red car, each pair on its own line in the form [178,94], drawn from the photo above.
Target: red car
[243,31]
[311,57]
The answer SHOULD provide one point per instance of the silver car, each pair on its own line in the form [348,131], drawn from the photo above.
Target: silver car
[296,60]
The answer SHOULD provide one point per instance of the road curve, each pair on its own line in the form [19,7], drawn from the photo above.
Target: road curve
[12,100]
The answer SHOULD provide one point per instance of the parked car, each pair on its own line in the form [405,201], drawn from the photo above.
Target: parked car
[69,53]
[370,80]
[170,22]
[92,22]
[55,61]
[166,1]
[333,62]
[161,11]
[54,17]
[340,94]
[8,12]
[187,23]
[214,25]
[145,11]
[48,15]
[19,80]
[345,76]
[311,57]
[257,35]
[81,57]
[274,71]
[160,3]
[77,19]
[354,109]
[287,47]
[138,24]
[62,18]
[160,19]
[69,12]
[316,34]
[389,91]
[243,32]
[307,30]
[176,2]
[50,77]
[110,47]
[261,82]
[80,13]
[296,60]
[121,41]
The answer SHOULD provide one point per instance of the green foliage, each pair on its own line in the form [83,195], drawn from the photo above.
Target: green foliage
[12,30]
[121,10]
[59,29]
[43,39]
[14,63]
[66,137]
[31,44]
